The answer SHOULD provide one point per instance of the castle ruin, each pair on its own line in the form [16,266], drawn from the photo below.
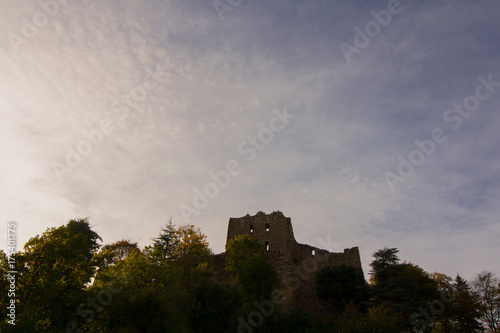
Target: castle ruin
[295,263]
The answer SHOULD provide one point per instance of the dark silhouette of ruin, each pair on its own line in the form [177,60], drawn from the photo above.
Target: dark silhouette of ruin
[295,263]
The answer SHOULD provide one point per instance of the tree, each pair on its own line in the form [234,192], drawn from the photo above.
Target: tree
[173,243]
[461,311]
[165,244]
[153,284]
[239,249]
[145,311]
[111,254]
[257,278]
[213,307]
[379,319]
[6,293]
[351,320]
[246,257]
[53,272]
[384,260]
[383,319]
[190,242]
[341,284]
[404,287]
[191,253]
[143,296]
[487,288]
[466,307]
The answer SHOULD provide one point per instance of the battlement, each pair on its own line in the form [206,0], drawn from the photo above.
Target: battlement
[273,230]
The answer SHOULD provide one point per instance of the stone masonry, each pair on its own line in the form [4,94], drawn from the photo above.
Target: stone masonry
[295,263]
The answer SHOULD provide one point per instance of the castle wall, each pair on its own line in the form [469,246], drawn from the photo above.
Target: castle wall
[295,263]
[307,264]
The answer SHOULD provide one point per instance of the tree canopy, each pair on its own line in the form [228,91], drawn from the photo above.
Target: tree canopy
[341,284]
[53,272]
[67,282]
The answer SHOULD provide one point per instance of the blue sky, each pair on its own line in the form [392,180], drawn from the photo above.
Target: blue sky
[121,112]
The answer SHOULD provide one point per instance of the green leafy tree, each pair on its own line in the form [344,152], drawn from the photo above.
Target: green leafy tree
[461,311]
[110,254]
[246,257]
[385,260]
[404,287]
[296,320]
[239,249]
[378,319]
[383,319]
[192,254]
[6,293]
[145,297]
[156,280]
[165,245]
[257,278]
[213,307]
[53,272]
[190,242]
[341,284]
[173,243]
[466,308]
[351,320]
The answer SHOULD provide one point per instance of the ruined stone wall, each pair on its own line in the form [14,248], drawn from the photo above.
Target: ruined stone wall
[309,260]
[295,263]
[274,231]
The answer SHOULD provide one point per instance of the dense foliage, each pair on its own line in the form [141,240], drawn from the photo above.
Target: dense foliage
[67,282]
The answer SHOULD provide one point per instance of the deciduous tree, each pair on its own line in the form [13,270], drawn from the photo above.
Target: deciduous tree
[341,284]
[246,257]
[53,272]
[487,287]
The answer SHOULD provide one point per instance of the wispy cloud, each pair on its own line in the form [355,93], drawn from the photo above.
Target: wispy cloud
[221,82]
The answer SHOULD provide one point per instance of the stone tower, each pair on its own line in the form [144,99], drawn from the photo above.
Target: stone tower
[295,263]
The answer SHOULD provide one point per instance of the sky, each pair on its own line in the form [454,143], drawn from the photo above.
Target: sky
[368,123]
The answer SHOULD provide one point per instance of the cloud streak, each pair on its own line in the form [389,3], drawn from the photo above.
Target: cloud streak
[222,80]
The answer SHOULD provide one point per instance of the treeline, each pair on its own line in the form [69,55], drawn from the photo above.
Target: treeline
[65,281]
[402,297]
